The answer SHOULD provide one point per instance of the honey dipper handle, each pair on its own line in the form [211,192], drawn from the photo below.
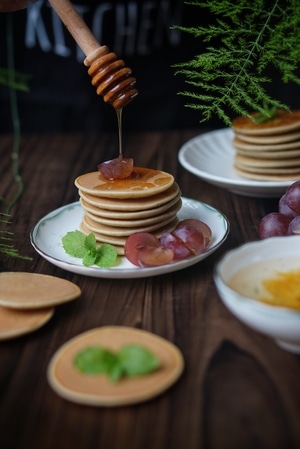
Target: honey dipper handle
[75,25]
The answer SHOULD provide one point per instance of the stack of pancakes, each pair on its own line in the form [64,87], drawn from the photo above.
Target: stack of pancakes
[269,150]
[147,201]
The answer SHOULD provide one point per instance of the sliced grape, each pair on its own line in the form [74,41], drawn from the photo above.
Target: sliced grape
[168,240]
[200,225]
[292,195]
[294,226]
[138,241]
[191,237]
[154,256]
[118,168]
[273,224]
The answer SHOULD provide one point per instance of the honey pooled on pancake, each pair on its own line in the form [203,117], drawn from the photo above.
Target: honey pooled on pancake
[269,150]
[114,208]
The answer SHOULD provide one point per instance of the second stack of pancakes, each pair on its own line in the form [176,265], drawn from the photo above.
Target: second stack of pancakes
[147,201]
[269,150]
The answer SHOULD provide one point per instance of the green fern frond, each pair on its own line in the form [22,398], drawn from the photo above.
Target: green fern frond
[247,42]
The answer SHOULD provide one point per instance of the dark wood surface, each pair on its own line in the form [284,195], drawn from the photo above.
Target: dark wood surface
[238,391]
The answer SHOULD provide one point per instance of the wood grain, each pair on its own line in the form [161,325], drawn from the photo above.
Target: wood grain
[238,391]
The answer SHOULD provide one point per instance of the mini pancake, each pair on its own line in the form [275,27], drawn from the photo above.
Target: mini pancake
[274,155]
[123,215]
[240,145]
[265,140]
[138,222]
[19,290]
[132,204]
[98,390]
[118,241]
[113,231]
[284,121]
[282,165]
[266,176]
[15,323]
[142,183]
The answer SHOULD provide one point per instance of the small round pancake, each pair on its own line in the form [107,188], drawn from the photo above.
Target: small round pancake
[276,139]
[132,204]
[142,183]
[20,290]
[139,222]
[283,122]
[266,177]
[123,215]
[113,231]
[262,164]
[239,144]
[15,323]
[274,155]
[98,390]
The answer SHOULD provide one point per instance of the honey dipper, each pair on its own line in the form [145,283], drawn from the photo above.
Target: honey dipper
[109,75]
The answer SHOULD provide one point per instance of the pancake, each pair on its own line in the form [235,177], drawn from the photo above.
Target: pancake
[277,177]
[132,204]
[99,390]
[137,222]
[20,290]
[270,154]
[239,144]
[293,163]
[15,323]
[142,182]
[284,121]
[123,215]
[272,139]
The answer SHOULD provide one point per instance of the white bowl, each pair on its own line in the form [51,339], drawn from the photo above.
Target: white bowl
[277,253]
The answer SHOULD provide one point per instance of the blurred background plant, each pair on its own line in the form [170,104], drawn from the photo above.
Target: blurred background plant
[14,81]
[247,44]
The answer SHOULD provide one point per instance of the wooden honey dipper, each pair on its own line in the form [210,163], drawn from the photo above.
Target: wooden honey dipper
[109,74]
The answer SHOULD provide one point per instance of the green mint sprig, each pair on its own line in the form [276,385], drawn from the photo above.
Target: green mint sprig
[85,247]
[131,360]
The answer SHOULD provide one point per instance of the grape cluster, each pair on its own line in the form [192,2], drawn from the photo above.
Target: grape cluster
[287,220]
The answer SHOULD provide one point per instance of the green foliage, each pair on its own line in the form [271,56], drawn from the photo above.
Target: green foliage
[247,41]
[6,240]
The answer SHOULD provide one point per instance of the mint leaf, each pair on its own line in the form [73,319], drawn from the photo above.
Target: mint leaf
[90,242]
[90,258]
[85,247]
[129,361]
[74,243]
[106,255]
[95,360]
[137,360]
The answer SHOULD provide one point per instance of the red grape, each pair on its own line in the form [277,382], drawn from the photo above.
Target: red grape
[200,225]
[154,256]
[138,241]
[168,240]
[284,209]
[294,226]
[273,224]
[118,168]
[191,237]
[292,195]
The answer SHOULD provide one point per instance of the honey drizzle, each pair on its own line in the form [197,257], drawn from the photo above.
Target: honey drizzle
[119,118]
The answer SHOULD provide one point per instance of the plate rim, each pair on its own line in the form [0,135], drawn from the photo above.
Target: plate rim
[125,273]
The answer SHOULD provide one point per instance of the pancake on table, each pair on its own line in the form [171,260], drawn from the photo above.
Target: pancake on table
[146,201]
[269,150]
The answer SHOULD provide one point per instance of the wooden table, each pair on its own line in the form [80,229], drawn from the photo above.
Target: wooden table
[239,390]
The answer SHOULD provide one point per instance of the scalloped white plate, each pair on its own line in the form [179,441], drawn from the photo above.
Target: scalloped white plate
[46,238]
[210,156]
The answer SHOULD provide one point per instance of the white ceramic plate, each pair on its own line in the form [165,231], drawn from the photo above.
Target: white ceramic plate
[46,238]
[210,156]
